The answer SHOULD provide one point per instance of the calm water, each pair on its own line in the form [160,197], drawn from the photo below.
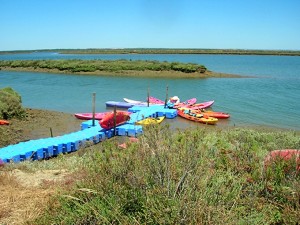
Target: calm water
[271,98]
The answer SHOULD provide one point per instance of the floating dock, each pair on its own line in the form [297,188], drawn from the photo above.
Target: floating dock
[48,147]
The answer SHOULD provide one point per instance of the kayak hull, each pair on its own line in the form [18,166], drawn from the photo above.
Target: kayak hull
[218,115]
[151,120]
[197,117]
[133,101]
[202,105]
[124,105]
[154,100]
[111,119]
[89,116]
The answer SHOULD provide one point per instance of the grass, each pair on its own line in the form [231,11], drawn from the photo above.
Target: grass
[195,176]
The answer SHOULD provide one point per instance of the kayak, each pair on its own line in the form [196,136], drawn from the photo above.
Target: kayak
[202,105]
[218,115]
[191,101]
[197,117]
[188,102]
[89,116]
[125,105]
[154,100]
[4,122]
[151,120]
[122,104]
[289,155]
[133,101]
[107,121]
[118,104]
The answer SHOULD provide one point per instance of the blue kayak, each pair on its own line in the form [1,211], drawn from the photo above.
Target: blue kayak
[118,104]
[123,104]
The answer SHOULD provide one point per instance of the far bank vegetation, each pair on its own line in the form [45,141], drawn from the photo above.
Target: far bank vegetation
[77,66]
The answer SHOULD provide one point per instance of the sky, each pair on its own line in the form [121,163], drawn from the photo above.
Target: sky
[209,24]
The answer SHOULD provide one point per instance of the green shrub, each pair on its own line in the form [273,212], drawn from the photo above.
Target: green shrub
[10,104]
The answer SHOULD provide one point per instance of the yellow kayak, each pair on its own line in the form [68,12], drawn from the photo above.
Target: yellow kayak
[151,120]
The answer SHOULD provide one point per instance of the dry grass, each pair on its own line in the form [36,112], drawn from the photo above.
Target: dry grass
[24,196]
[19,204]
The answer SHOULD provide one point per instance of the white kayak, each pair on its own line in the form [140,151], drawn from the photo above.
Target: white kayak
[133,101]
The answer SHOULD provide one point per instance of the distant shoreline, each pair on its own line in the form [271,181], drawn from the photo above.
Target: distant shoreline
[162,51]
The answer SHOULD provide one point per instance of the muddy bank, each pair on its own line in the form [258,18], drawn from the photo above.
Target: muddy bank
[38,124]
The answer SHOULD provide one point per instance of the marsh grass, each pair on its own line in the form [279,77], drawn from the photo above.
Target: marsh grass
[90,66]
[193,176]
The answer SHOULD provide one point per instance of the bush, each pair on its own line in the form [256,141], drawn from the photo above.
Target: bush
[10,104]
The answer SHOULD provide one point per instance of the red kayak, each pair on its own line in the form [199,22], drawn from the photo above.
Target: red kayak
[4,122]
[108,120]
[89,116]
[288,155]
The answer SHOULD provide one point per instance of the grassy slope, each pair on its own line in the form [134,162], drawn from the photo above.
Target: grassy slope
[194,176]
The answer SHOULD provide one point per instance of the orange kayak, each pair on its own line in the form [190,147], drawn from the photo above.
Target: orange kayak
[4,122]
[187,114]
[107,121]
[219,115]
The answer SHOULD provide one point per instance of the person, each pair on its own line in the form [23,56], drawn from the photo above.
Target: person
[173,101]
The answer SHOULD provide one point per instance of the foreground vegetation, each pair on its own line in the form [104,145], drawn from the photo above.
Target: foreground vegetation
[195,176]
[162,51]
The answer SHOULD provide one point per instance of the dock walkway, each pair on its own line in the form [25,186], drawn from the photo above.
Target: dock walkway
[48,147]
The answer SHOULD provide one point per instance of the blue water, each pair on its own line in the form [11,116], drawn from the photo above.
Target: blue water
[271,97]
